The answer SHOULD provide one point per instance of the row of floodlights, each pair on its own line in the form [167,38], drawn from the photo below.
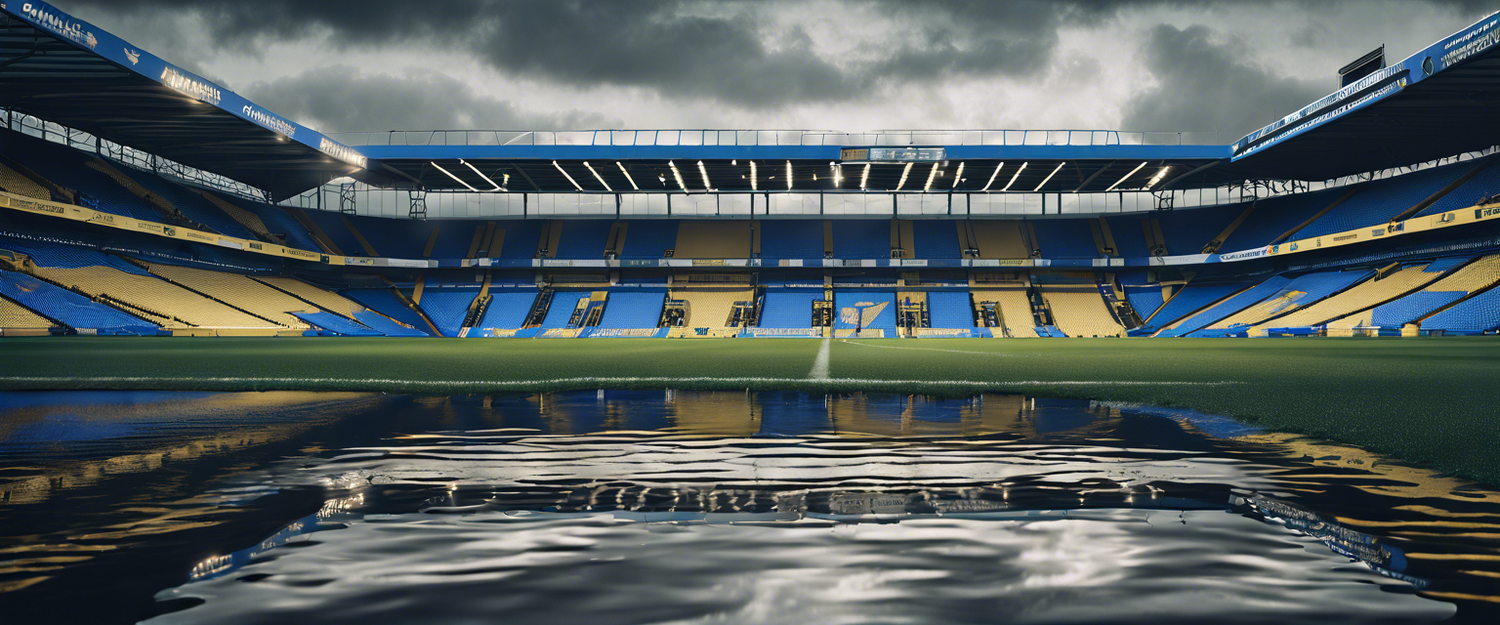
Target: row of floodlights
[838,176]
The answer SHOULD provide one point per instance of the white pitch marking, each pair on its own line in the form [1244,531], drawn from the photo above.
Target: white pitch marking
[610,380]
[820,364]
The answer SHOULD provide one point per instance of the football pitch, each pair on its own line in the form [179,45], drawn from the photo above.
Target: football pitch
[1428,400]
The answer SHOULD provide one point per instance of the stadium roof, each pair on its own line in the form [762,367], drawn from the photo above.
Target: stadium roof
[68,71]
[1436,103]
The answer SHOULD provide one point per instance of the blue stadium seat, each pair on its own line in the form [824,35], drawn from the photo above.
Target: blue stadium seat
[333,226]
[1274,217]
[521,239]
[648,239]
[1130,239]
[1312,287]
[874,311]
[561,308]
[583,239]
[68,307]
[949,309]
[385,302]
[336,324]
[1382,200]
[393,238]
[1144,299]
[1245,299]
[1472,316]
[1064,238]
[793,238]
[860,238]
[787,309]
[65,167]
[1412,307]
[632,309]
[1485,184]
[381,324]
[1187,231]
[68,256]
[508,309]
[446,307]
[278,221]
[455,236]
[189,203]
[935,238]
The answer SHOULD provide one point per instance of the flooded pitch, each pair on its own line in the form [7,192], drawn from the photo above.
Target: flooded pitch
[688,507]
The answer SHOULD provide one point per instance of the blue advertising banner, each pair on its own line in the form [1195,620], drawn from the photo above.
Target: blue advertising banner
[91,38]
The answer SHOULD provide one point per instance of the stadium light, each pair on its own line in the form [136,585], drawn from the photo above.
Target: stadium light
[704,173]
[788,175]
[455,178]
[1125,177]
[481,175]
[1014,176]
[633,185]
[1157,178]
[678,175]
[752,176]
[864,177]
[905,171]
[1049,177]
[598,177]
[566,175]
[958,176]
[992,177]
[932,173]
[838,176]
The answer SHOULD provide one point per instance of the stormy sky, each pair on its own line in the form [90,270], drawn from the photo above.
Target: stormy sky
[1200,66]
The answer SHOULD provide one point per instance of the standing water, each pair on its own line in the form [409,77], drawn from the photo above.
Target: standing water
[689,507]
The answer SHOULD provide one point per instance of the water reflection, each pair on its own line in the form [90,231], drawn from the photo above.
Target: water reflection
[651,506]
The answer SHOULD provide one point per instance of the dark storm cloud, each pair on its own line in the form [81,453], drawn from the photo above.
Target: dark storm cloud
[341,99]
[1207,86]
[714,50]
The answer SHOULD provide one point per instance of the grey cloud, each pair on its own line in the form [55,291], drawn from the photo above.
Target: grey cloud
[1206,86]
[340,99]
[712,50]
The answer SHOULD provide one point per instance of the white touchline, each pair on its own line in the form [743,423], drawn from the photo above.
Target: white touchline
[613,380]
[820,364]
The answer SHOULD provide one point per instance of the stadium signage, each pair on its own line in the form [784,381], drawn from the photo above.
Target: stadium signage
[269,120]
[893,155]
[1477,40]
[200,89]
[342,152]
[65,26]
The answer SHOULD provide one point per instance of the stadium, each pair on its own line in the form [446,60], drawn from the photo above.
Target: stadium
[1334,274]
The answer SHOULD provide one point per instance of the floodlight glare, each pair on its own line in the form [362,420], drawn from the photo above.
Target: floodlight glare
[567,175]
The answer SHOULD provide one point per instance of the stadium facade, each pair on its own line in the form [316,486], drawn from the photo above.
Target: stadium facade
[139,198]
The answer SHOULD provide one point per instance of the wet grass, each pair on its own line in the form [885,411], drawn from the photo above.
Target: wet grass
[1428,400]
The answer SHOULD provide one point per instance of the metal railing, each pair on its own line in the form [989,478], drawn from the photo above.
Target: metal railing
[779,137]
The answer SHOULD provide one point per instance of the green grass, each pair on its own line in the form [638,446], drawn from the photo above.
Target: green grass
[1427,400]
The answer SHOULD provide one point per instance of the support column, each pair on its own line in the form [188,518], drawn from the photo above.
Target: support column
[346,199]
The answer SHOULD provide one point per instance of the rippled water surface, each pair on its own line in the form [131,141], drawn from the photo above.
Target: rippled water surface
[679,507]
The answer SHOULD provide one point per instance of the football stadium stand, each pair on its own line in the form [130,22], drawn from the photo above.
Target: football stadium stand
[1471,316]
[711,307]
[1080,311]
[788,309]
[861,311]
[1300,292]
[507,310]
[714,239]
[1014,305]
[239,291]
[446,307]
[224,237]
[68,307]
[14,316]
[791,239]
[1228,306]
[1470,278]
[632,309]
[950,309]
